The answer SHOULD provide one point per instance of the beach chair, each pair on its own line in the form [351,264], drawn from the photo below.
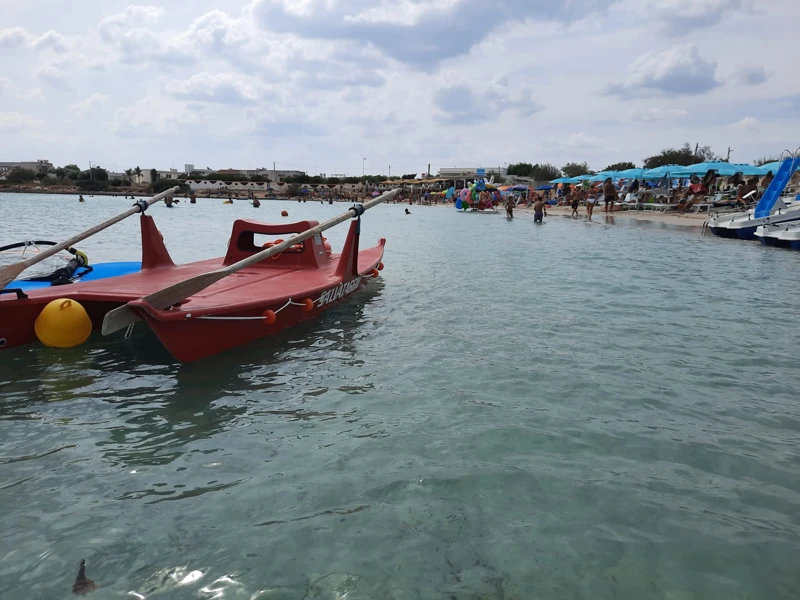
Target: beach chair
[707,204]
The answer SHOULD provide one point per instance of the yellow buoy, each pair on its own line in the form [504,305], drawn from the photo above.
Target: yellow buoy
[63,323]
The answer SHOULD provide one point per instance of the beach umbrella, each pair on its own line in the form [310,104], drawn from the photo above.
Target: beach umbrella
[774,166]
[584,177]
[750,170]
[603,177]
[631,174]
[724,169]
[544,187]
[673,171]
[565,180]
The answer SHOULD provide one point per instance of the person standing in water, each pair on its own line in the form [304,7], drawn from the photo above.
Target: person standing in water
[510,208]
[80,199]
[539,211]
[610,194]
[577,194]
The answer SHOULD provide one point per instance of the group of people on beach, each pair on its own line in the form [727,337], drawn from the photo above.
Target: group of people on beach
[683,197]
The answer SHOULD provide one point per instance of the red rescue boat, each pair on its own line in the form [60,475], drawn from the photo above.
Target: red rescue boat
[253,302]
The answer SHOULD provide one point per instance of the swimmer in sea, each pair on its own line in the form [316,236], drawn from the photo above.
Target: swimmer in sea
[408,212]
[80,199]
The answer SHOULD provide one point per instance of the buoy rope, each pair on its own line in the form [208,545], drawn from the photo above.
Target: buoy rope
[290,302]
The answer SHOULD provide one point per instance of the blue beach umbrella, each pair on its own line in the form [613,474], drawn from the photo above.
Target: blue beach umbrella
[774,166]
[673,171]
[603,176]
[565,180]
[724,169]
[631,174]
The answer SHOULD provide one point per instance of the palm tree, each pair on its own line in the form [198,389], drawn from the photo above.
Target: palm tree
[138,172]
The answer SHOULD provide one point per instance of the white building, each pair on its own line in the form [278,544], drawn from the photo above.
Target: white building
[40,166]
[147,175]
[471,172]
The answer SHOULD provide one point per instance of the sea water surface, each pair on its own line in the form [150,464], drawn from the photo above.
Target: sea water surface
[569,410]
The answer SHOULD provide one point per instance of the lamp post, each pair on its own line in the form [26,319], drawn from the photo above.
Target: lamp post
[363,167]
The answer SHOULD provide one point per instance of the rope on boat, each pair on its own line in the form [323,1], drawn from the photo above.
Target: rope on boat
[290,302]
[259,318]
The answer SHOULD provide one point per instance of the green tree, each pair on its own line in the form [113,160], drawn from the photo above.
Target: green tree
[138,172]
[20,175]
[521,169]
[72,172]
[766,159]
[574,169]
[545,172]
[681,156]
[153,176]
[129,173]
[620,166]
[160,185]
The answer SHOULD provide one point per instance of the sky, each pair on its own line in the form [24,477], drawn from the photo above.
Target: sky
[391,86]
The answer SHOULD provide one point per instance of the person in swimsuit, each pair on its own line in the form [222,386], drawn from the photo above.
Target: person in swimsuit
[610,195]
[510,208]
[576,201]
[591,201]
[539,211]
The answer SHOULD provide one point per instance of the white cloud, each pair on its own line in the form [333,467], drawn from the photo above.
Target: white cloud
[752,75]
[51,40]
[13,122]
[680,17]
[337,80]
[54,77]
[225,88]
[88,106]
[34,94]
[461,104]
[679,71]
[748,123]
[14,37]
[582,140]
[658,114]
[153,116]
[133,17]
[6,85]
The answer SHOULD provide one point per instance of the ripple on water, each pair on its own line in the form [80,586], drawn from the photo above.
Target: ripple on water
[569,411]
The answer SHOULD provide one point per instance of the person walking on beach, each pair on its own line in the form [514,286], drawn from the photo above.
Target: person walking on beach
[539,211]
[576,201]
[610,194]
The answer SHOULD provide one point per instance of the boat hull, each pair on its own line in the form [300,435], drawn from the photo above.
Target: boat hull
[191,337]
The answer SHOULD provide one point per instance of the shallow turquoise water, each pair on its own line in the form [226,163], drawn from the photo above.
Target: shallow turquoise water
[512,411]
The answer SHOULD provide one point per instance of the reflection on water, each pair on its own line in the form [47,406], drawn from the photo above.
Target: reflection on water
[592,411]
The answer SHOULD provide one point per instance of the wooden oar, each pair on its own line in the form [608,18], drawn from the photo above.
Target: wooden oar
[122,317]
[11,272]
